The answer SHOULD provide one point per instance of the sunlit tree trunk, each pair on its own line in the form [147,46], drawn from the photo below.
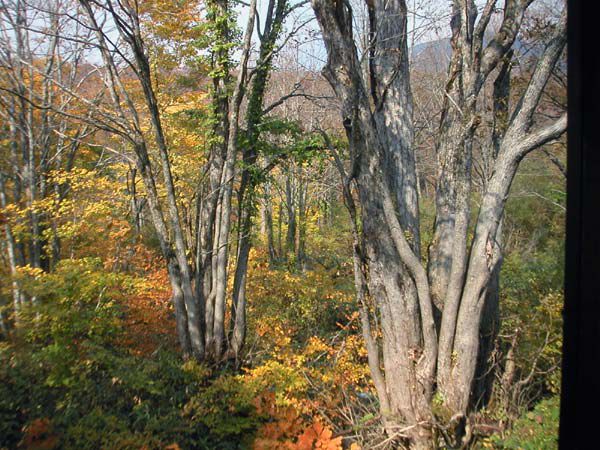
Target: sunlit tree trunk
[378,123]
[377,116]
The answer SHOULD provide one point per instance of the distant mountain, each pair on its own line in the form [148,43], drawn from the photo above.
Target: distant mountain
[434,56]
[440,46]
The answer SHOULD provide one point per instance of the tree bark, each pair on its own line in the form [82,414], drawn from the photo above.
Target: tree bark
[378,123]
[377,116]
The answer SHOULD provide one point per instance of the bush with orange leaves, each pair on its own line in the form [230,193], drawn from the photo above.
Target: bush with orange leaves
[304,336]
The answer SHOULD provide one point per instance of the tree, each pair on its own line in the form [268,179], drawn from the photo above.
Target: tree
[229,139]
[195,246]
[40,139]
[417,360]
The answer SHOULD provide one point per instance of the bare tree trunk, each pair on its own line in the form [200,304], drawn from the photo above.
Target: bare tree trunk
[178,299]
[280,251]
[290,204]
[518,140]
[238,314]
[380,139]
[226,191]
[490,327]
[490,324]
[301,257]
[269,223]
[19,253]
[18,298]
[378,123]
[469,68]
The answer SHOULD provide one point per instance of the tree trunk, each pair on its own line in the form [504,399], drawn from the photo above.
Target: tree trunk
[18,298]
[290,203]
[301,257]
[378,123]
[485,251]
[269,224]
[175,276]
[379,129]
[224,219]
[250,173]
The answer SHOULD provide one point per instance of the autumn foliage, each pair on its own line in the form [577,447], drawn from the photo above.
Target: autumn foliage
[90,354]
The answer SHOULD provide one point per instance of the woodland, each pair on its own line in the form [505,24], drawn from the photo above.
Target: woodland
[281,224]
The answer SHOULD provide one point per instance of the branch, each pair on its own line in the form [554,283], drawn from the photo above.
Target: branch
[560,166]
[523,114]
[505,37]
[484,20]
[293,94]
[542,136]
[103,146]
[85,119]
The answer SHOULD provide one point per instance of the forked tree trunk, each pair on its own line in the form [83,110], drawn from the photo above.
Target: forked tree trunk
[519,139]
[222,228]
[208,216]
[250,174]
[380,139]
[378,124]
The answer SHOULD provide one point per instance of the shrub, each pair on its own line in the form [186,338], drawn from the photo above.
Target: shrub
[535,430]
